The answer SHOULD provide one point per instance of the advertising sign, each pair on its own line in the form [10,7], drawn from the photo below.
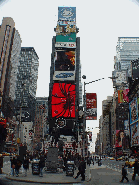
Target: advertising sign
[91,106]
[121,77]
[65,60]
[126,127]
[134,131]
[64,75]
[122,96]
[90,136]
[63,29]
[133,111]
[65,45]
[63,100]
[67,13]
[119,138]
[69,37]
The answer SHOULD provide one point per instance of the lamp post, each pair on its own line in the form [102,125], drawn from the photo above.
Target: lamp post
[84,99]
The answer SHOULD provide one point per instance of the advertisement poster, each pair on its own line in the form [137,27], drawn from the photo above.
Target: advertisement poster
[133,111]
[63,100]
[122,96]
[134,131]
[119,138]
[135,69]
[63,29]
[69,37]
[65,45]
[65,60]
[67,13]
[91,106]
[64,75]
[126,127]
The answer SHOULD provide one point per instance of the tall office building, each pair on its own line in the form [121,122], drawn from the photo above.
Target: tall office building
[127,49]
[27,83]
[10,45]
[65,74]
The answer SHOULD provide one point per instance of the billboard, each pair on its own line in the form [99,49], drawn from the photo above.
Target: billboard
[67,13]
[134,132]
[91,106]
[69,37]
[65,60]
[120,77]
[63,29]
[126,127]
[64,68]
[133,111]
[119,138]
[122,96]
[65,45]
[63,100]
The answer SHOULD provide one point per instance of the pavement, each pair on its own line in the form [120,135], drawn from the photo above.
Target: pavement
[93,172]
[48,177]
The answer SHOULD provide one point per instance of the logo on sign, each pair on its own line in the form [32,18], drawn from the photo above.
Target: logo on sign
[64,75]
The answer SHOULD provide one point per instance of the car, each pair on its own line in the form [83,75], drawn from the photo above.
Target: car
[5,154]
[112,158]
[130,162]
[120,159]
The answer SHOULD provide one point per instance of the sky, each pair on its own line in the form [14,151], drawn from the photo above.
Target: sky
[100,24]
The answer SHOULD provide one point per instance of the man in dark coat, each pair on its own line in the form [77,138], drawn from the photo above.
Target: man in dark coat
[26,165]
[41,165]
[17,165]
[124,173]
[81,168]
[136,169]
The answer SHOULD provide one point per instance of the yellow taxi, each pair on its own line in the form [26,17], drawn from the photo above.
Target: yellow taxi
[130,162]
[119,159]
[112,158]
[5,154]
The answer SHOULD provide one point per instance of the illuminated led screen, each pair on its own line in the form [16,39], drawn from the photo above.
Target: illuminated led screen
[65,60]
[63,100]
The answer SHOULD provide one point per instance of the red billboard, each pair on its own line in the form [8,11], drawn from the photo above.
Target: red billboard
[91,106]
[63,100]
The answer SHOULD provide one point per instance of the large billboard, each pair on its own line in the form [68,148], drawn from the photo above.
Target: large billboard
[122,96]
[64,68]
[66,28]
[67,13]
[91,106]
[70,37]
[133,111]
[119,138]
[134,131]
[63,100]
[120,77]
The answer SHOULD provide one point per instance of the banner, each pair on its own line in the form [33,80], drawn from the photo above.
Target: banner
[122,96]
[67,13]
[119,138]
[134,131]
[91,106]
[70,37]
[133,111]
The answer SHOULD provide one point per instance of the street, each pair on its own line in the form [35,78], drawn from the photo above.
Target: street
[106,174]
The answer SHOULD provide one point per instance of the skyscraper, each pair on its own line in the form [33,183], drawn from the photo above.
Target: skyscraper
[65,74]
[27,83]
[10,45]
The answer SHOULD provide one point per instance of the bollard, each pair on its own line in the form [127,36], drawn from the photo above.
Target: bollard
[111,166]
[114,167]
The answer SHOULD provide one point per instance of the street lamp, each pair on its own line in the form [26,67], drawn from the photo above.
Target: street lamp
[84,99]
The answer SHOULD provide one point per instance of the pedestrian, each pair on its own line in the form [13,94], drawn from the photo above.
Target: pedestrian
[41,165]
[124,173]
[88,161]
[25,165]
[12,165]
[17,165]
[81,168]
[136,169]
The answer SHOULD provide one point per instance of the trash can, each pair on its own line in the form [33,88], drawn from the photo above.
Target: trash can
[70,168]
[35,167]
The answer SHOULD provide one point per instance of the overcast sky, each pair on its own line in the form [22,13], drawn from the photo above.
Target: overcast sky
[100,24]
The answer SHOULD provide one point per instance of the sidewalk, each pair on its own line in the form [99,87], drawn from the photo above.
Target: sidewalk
[48,178]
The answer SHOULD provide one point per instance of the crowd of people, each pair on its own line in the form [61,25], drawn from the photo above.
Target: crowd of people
[79,163]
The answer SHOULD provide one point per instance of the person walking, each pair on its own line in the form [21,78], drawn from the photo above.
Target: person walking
[12,165]
[124,173]
[41,165]
[25,165]
[136,169]
[81,168]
